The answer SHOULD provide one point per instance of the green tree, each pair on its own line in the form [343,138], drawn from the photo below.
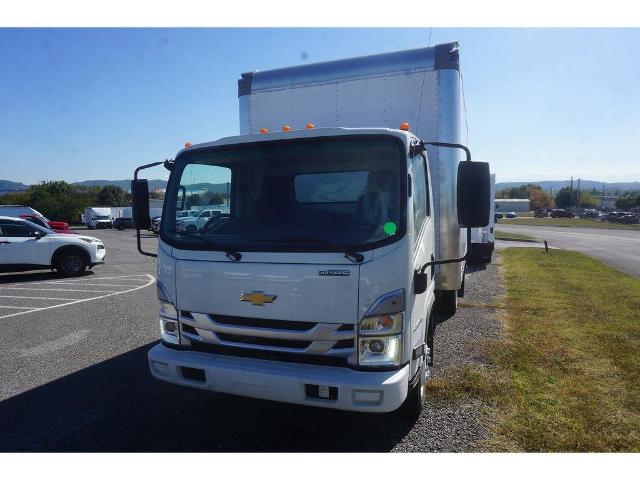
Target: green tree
[215,198]
[112,196]
[193,200]
[624,203]
[540,199]
[587,200]
[57,200]
[566,197]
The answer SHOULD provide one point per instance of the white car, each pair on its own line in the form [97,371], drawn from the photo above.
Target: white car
[27,246]
[195,223]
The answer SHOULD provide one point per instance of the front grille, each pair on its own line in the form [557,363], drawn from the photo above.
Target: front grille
[342,344]
[289,357]
[263,341]
[263,323]
[189,329]
[347,327]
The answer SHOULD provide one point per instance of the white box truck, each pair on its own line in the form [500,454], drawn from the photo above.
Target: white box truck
[97,217]
[348,199]
[483,238]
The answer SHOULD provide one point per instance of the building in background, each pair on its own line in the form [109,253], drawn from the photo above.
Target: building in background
[512,205]
[606,202]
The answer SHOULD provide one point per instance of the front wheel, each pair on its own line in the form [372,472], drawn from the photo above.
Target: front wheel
[71,264]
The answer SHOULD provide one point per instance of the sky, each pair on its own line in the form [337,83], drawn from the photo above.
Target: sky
[78,104]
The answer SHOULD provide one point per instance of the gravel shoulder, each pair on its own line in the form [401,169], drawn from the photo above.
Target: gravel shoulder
[460,426]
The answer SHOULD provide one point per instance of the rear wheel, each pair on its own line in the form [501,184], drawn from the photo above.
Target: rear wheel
[71,263]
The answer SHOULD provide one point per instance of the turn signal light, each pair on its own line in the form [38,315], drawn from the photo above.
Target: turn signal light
[310,125]
[264,130]
[404,126]
[286,128]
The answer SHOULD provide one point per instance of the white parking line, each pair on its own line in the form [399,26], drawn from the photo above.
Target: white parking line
[70,283]
[150,280]
[19,308]
[54,345]
[56,289]
[39,298]
[126,278]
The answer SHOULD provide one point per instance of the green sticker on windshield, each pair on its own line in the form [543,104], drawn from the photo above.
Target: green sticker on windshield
[390,228]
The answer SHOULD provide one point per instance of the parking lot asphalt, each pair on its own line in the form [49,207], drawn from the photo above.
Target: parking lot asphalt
[617,248]
[75,375]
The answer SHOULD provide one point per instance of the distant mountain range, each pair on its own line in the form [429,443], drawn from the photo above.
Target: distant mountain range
[7,186]
[556,185]
[124,184]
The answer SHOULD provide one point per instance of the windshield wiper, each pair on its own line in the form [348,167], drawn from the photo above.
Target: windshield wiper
[349,252]
[231,254]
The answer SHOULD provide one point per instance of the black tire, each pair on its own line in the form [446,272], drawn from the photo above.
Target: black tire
[71,263]
[447,301]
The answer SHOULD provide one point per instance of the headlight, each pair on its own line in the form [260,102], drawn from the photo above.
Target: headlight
[381,324]
[168,322]
[380,351]
[380,340]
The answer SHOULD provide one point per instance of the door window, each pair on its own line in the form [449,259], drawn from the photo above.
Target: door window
[16,230]
[421,207]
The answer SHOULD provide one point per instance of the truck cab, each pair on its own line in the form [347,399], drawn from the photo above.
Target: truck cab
[312,267]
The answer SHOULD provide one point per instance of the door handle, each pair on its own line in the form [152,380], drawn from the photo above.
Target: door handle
[3,242]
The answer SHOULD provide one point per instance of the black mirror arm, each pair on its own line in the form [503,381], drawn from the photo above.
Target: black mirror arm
[450,260]
[451,145]
[142,167]
[466,255]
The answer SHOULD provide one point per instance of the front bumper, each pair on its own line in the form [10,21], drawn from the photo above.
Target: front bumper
[282,382]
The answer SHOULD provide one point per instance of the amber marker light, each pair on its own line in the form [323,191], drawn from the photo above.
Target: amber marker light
[187,144]
[404,126]
[286,128]
[264,130]
[310,125]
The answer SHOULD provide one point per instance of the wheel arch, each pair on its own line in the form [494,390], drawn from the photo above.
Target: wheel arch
[70,248]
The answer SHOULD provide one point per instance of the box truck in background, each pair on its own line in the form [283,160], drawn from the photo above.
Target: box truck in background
[483,238]
[350,211]
[97,217]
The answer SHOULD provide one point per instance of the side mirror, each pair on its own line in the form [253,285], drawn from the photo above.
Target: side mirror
[474,187]
[38,234]
[419,282]
[140,204]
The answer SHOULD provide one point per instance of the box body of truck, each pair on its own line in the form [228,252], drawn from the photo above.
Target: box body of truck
[305,291]
[421,87]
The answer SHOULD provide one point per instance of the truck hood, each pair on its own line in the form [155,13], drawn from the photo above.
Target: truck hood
[309,292]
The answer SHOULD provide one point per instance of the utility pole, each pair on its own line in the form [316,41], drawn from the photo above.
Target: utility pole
[578,199]
[571,194]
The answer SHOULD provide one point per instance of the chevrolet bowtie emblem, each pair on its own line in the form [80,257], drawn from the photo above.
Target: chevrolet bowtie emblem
[258,298]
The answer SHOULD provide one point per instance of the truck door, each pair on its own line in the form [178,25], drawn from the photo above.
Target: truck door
[20,246]
[423,238]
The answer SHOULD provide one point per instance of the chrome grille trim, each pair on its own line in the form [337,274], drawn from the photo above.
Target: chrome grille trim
[322,337]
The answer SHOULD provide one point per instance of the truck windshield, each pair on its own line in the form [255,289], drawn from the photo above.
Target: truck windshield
[319,194]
